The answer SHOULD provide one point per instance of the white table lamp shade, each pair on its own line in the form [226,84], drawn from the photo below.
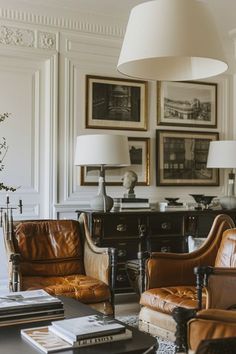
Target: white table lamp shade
[222,154]
[102,149]
[171,40]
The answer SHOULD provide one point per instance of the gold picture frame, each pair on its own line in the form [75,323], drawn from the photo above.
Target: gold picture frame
[140,163]
[187,104]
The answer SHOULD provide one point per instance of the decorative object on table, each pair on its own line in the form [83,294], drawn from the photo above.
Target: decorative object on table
[172,43]
[203,201]
[129,182]
[187,104]
[222,154]
[3,152]
[102,150]
[139,150]
[198,200]
[173,201]
[116,103]
[182,158]
[6,213]
[29,306]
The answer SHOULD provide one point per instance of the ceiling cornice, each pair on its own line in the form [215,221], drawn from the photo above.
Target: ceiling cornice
[88,23]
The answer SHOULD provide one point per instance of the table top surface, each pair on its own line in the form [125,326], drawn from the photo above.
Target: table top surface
[11,341]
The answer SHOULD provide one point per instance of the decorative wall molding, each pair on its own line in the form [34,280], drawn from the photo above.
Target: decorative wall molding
[17,36]
[46,40]
[82,25]
[24,37]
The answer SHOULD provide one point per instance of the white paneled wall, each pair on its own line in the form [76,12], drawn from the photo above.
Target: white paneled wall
[43,64]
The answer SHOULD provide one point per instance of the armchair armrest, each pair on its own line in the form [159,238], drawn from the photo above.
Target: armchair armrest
[221,288]
[99,262]
[170,269]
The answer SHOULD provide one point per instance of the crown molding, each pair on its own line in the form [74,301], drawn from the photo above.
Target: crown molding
[87,23]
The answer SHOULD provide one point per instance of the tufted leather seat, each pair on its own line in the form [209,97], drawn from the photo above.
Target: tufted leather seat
[59,257]
[171,279]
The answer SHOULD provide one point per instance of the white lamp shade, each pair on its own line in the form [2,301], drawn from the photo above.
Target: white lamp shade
[171,40]
[222,154]
[101,149]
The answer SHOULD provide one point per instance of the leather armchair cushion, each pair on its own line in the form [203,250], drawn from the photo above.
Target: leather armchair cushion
[80,287]
[49,247]
[166,299]
[227,251]
[210,324]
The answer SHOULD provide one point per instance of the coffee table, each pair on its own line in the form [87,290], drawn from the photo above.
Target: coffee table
[12,343]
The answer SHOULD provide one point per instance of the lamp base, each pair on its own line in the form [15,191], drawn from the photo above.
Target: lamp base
[228,202]
[101,203]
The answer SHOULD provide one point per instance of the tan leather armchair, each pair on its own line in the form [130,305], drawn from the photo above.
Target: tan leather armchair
[219,319]
[171,285]
[60,257]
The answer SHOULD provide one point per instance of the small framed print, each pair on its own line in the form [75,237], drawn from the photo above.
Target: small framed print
[113,103]
[187,104]
[139,149]
[182,158]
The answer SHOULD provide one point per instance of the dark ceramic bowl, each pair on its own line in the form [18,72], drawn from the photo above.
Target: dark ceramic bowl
[207,199]
[197,197]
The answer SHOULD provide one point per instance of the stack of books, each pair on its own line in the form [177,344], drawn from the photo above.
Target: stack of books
[29,306]
[76,332]
[134,203]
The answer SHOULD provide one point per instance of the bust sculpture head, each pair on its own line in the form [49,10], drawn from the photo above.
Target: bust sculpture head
[129,182]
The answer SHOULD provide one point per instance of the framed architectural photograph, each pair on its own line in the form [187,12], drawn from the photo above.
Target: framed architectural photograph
[113,103]
[139,149]
[182,158]
[187,104]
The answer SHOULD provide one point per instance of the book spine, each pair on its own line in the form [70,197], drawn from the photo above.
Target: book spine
[92,341]
[103,339]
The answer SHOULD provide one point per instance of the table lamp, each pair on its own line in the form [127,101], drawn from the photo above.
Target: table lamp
[222,154]
[102,150]
[171,40]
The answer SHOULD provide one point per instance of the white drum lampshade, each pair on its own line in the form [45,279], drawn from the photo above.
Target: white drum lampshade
[222,154]
[102,150]
[171,40]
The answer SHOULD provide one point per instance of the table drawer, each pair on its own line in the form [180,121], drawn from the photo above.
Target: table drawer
[166,225]
[168,244]
[117,226]
[126,249]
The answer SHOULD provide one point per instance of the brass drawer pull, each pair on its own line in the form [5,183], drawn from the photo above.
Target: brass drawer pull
[121,227]
[122,253]
[166,226]
[121,277]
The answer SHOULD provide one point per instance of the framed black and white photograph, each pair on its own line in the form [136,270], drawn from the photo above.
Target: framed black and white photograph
[182,158]
[113,103]
[139,149]
[187,104]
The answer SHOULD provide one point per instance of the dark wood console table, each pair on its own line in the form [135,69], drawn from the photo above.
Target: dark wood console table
[134,233]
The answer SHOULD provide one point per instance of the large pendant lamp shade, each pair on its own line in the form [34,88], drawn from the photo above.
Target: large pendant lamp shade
[171,40]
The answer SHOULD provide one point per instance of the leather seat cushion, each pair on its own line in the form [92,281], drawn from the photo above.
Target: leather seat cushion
[49,247]
[166,299]
[80,287]
[211,324]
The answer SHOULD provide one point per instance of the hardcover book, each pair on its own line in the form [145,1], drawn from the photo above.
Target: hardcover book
[88,327]
[26,299]
[47,341]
